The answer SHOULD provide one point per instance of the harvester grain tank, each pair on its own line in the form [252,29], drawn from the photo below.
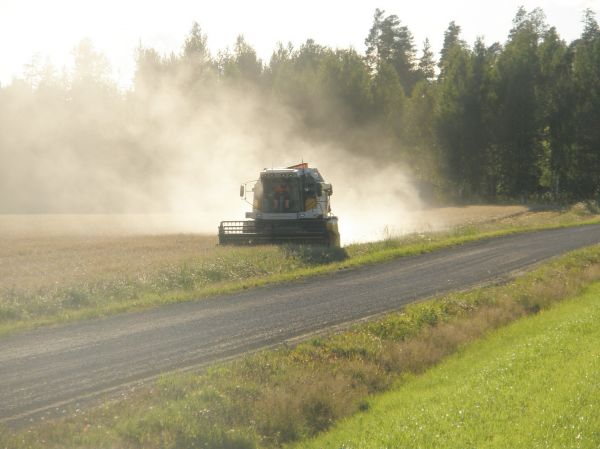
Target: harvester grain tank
[290,205]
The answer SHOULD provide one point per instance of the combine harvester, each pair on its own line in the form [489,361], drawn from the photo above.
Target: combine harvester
[290,205]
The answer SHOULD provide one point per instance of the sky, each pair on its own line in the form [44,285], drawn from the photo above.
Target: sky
[49,30]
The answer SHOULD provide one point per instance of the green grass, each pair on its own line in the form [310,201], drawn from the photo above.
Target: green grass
[278,397]
[228,270]
[534,384]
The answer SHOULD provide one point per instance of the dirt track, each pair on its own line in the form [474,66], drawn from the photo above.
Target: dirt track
[46,369]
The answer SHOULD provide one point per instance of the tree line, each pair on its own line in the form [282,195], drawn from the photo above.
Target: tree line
[517,120]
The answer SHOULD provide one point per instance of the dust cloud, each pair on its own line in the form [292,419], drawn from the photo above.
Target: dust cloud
[240,135]
[171,159]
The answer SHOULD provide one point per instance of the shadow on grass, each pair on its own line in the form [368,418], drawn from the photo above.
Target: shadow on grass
[314,254]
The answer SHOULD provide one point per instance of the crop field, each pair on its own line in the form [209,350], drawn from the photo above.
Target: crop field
[63,267]
[42,251]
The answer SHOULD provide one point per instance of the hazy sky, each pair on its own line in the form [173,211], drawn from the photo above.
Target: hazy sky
[51,28]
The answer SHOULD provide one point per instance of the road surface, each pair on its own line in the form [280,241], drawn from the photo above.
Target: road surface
[47,369]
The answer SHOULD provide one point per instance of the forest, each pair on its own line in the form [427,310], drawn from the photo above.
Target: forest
[518,120]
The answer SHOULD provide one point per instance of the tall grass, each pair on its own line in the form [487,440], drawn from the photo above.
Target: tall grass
[532,384]
[274,398]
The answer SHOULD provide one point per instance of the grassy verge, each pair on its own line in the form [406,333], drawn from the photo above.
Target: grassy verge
[275,398]
[226,270]
[532,384]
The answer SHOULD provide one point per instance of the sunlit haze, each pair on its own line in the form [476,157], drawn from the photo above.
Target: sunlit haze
[50,30]
[175,147]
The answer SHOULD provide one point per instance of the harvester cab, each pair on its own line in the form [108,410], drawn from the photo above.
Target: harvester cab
[290,205]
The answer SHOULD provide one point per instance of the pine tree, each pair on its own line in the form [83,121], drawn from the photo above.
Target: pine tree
[479,117]
[590,26]
[388,98]
[519,118]
[195,46]
[195,67]
[556,105]
[419,135]
[243,66]
[450,117]
[451,39]
[586,79]
[391,42]
[426,62]
[347,81]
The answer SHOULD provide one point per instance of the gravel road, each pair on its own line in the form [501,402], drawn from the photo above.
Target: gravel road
[42,371]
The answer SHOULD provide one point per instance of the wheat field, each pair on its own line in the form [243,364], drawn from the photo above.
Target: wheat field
[38,251]
[42,251]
